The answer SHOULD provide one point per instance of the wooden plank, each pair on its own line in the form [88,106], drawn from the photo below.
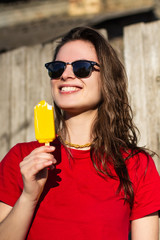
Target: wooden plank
[38,83]
[33,87]
[134,62]
[158,114]
[142,60]
[82,7]
[18,96]
[46,56]
[5,81]
[151,39]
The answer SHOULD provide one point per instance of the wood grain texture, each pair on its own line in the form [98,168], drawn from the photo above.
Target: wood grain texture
[142,60]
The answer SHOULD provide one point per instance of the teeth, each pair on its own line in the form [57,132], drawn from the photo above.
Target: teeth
[68,89]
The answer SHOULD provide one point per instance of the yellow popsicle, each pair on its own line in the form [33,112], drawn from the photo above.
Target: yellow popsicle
[44,123]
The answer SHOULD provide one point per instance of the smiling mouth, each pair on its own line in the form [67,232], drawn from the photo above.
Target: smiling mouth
[69,89]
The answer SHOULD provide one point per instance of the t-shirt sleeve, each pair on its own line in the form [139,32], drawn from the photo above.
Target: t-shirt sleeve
[146,186]
[11,183]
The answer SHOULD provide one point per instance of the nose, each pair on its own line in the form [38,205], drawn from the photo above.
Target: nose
[68,72]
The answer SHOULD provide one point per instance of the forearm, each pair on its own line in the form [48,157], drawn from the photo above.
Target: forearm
[15,226]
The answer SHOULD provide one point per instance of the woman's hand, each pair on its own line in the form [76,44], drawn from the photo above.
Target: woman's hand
[34,170]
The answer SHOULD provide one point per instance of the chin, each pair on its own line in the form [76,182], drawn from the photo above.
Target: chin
[70,109]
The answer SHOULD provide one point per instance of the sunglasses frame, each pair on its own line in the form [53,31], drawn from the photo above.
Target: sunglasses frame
[92,64]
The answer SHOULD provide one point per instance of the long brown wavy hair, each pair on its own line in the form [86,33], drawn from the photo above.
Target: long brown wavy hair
[113,131]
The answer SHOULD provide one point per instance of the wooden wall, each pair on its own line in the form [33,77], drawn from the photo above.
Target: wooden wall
[24,82]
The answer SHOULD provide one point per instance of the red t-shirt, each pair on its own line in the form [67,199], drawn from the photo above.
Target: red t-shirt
[76,202]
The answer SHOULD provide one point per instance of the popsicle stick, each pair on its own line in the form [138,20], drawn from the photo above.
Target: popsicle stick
[47,144]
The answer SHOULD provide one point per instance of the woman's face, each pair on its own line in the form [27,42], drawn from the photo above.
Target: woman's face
[72,94]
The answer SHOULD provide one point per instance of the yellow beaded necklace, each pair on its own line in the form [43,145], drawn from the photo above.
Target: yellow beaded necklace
[75,145]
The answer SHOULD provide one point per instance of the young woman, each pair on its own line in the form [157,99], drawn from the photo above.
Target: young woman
[93,182]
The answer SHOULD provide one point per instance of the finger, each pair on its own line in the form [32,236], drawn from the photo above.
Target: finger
[37,158]
[41,156]
[44,149]
[37,153]
[29,171]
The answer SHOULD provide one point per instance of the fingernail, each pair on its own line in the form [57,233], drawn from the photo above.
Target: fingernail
[54,161]
[52,147]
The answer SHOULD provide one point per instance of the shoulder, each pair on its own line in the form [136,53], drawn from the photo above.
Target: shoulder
[21,150]
[139,161]
[18,152]
[25,148]
[141,166]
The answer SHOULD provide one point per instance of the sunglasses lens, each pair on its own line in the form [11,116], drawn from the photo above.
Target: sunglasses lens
[82,69]
[55,69]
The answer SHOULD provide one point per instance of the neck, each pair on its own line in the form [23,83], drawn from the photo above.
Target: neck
[80,127]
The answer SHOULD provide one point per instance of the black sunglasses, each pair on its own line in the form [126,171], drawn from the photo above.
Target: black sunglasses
[81,68]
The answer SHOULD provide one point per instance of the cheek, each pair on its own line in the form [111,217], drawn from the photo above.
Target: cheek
[96,88]
[98,95]
[94,94]
[53,88]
